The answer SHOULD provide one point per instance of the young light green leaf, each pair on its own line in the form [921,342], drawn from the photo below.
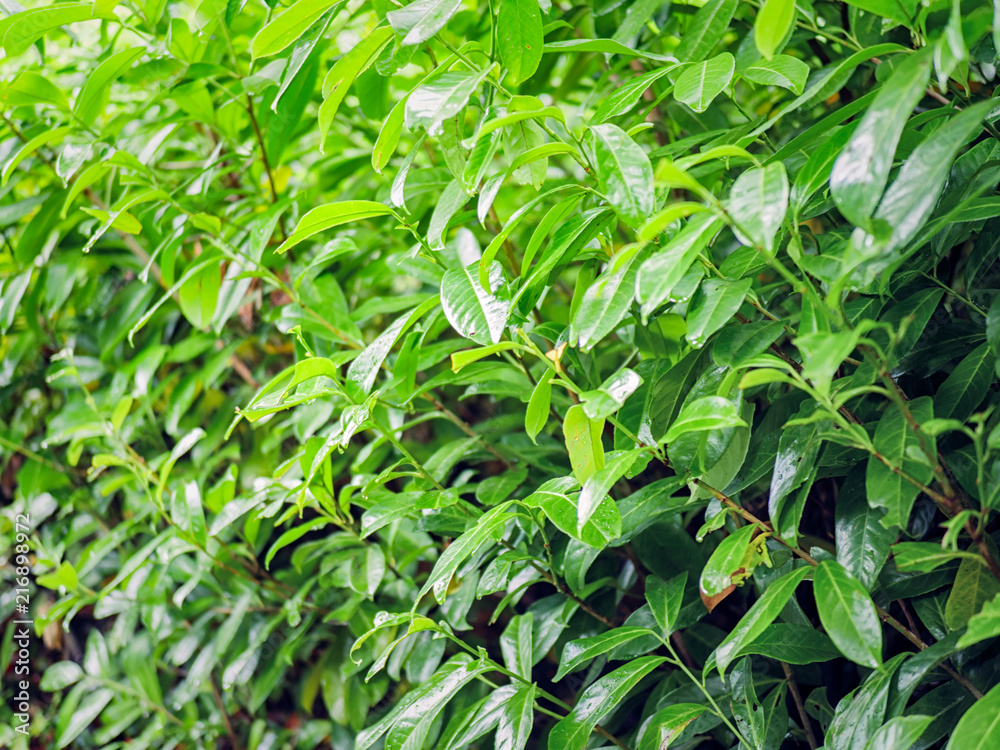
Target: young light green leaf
[583,441]
[706,30]
[422,19]
[700,83]
[773,23]
[332,215]
[788,72]
[286,28]
[520,38]
[706,413]
[757,203]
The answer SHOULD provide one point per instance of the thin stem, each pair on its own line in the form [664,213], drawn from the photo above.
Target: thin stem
[793,688]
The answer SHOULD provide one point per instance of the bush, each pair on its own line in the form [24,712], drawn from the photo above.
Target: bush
[614,374]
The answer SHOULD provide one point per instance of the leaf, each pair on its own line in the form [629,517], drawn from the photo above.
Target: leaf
[84,715]
[974,586]
[420,20]
[573,731]
[899,733]
[343,74]
[900,11]
[773,23]
[706,30]
[583,441]
[537,413]
[60,675]
[433,102]
[286,28]
[862,539]
[923,557]
[788,72]
[474,312]
[605,302]
[625,173]
[607,46]
[894,439]
[595,490]
[627,95]
[25,28]
[795,644]
[706,413]
[517,720]
[520,38]
[712,306]
[700,83]
[488,528]
[860,172]
[30,147]
[979,727]
[516,645]
[660,273]
[332,215]
[759,618]
[612,394]
[553,497]
[731,563]
[667,723]
[909,201]
[665,599]
[984,625]
[89,103]
[848,614]
[964,390]
[757,203]
[585,650]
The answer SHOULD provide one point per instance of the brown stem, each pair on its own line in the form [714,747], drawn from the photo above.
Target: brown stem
[793,688]
[263,151]
[467,429]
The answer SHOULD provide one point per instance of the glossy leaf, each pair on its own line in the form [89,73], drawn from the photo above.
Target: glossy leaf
[848,614]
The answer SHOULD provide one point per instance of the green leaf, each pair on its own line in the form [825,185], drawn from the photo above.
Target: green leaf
[583,441]
[983,626]
[612,394]
[537,413]
[773,23]
[706,30]
[286,28]
[860,172]
[420,20]
[572,732]
[964,390]
[627,95]
[700,83]
[979,727]
[605,302]
[332,215]
[583,651]
[923,557]
[60,675]
[488,528]
[520,38]
[667,723]
[974,586]
[910,200]
[90,102]
[595,490]
[788,72]
[795,644]
[732,563]
[474,312]
[93,703]
[759,618]
[343,74]
[516,645]
[848,614]
[665,599]
[757,203]
[553,497]
[433,102]
[660,273]
[862,539]
[712,306]
[517,720]
[900,11]
[23,29]
[706,413]
[625,173]
[894,439]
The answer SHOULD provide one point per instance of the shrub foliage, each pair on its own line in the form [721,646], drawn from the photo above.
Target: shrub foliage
[503,373]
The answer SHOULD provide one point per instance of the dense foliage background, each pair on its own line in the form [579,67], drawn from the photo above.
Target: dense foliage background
[505,373]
